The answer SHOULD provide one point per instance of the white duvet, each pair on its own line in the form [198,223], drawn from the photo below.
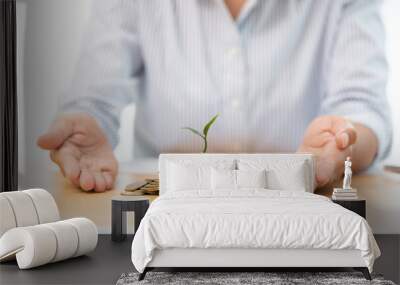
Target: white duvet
[250,219]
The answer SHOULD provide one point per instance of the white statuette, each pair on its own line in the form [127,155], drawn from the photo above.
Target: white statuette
[347,174]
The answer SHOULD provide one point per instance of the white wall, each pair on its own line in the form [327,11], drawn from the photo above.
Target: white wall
[53,30]
[53,33]
[390,13]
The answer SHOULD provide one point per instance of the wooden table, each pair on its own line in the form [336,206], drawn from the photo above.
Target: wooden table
[380,189]
[73,202]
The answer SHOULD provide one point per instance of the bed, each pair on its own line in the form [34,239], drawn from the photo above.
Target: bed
[245,211]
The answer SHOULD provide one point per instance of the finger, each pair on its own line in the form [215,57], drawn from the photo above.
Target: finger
[86,180]
[100,182]
[346,138]
[344,131]
[59,131]
[71,169]
[109,180]
[68,164]
[53,157]
[324,172]
[321,125]
[327,170]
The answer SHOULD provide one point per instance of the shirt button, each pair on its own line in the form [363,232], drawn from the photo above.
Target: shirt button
[235,103]
[231,52]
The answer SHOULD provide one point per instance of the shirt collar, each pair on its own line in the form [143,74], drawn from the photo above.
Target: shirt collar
[246,10]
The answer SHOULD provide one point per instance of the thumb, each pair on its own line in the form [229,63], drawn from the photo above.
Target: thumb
[59,131]
[346,138]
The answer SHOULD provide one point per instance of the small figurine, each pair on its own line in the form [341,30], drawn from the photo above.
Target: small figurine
[347,174]
[347,192]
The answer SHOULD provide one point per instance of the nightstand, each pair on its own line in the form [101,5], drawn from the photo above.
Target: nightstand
[121,205]
[357,206]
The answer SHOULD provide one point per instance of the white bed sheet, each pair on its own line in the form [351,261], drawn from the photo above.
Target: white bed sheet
[250,218]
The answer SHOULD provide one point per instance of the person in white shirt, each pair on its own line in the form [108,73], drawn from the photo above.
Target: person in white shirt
[285,76]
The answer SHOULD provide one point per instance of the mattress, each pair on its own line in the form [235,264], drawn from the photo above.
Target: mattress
[250,219]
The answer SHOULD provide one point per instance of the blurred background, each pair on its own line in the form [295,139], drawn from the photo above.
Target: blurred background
[49,37]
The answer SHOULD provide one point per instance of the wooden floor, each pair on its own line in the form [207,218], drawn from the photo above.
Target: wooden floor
[110,260]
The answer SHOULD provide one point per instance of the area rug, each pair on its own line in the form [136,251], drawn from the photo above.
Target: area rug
[229,278]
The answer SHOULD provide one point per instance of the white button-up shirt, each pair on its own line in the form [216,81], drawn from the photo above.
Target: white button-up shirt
[268,73]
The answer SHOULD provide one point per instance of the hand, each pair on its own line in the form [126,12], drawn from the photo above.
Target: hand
[329,138]
[81,150]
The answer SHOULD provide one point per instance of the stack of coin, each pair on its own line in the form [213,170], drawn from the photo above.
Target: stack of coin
[152,187]
[142,187]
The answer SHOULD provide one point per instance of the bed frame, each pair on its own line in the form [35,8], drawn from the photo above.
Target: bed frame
[261,259]
[236,259]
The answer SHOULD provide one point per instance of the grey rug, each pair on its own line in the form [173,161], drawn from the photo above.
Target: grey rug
[225,278]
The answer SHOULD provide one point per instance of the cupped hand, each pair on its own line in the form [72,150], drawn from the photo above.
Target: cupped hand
[330,139]
[81,150]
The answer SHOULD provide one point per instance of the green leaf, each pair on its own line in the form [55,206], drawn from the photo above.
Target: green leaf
[193,131]
[209,124]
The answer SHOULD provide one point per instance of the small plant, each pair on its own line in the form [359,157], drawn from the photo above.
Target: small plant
[205,131]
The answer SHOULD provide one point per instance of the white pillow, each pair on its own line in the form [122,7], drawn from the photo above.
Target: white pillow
[237,179]
[251,178]
[287,174]
[283,179]
[191,174]
[188,177]
[223,179]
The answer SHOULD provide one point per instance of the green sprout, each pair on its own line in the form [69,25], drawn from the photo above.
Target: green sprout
[205,131]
